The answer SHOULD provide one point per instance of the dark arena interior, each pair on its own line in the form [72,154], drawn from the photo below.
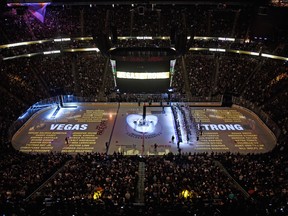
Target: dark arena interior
[144,108]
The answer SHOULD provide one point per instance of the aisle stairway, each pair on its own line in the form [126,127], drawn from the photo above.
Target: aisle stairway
[140,196]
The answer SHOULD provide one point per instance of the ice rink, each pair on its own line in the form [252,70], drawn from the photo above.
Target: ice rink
[119,127]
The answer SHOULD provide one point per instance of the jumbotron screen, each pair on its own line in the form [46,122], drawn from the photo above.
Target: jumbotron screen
[138,70]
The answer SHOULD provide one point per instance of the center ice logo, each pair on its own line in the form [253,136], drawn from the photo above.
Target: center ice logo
[138,124]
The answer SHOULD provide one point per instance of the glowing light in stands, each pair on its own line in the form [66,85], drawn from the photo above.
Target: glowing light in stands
[97,194]
[144,38]
[267,55]
[92,49]
[217,50]
[62,39]
[51,52]
[226,39]
[17,44]
[254,53]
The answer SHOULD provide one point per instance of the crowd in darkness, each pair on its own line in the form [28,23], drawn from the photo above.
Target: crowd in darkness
[206,185]
[217,184]
[200,71]
[21,174]
[112,177]
[96,183]
[135,20]
[264,177]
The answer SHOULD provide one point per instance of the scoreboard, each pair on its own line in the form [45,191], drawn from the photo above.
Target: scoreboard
[143,70]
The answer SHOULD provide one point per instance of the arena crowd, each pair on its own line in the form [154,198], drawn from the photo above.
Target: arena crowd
[187,184]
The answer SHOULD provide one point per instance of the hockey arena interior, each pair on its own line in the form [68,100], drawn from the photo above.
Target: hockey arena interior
[144,108]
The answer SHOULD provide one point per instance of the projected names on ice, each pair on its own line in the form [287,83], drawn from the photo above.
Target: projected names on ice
[246,141]
[211,141]
[91,116]
[88,129]
[226,129]
[80,142]
[72,133]
[41,141]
